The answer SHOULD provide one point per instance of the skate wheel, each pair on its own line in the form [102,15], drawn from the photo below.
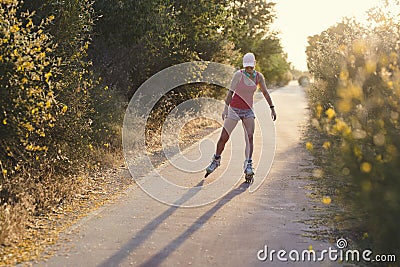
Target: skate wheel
[248,179]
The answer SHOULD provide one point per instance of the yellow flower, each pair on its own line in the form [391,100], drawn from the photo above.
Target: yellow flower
[29,127]
[14,28]
[319,110]
[341,126]
[310,247]
[30,23]
[4,171]
[356,91]
[357,152]
[64,109]
[27,65]
[47,76]
[365,235]
[29,147]
[330,113]
[326,200]
[344,75]
[345,105]
[365,167]
[5,121]
[326,145]
[309,146]
[42,55]
[370,66]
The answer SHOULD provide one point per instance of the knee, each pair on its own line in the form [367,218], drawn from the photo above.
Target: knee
[250,138]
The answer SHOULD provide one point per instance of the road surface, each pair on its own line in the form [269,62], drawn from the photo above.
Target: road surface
[232,230]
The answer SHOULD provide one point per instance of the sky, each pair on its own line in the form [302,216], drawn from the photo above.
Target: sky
[298,19]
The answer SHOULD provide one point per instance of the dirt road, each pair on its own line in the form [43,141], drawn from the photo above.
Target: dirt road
[233,230]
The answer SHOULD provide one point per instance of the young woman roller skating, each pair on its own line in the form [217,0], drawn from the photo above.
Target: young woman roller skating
[239,106]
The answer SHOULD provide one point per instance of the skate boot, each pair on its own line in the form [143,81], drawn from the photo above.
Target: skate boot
[213,165]
[248,171]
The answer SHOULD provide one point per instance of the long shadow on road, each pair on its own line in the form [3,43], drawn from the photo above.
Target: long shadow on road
[144,233]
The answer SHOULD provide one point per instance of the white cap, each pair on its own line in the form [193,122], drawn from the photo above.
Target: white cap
[249,60]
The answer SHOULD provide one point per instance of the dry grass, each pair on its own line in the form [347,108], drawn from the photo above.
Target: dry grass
[195,129]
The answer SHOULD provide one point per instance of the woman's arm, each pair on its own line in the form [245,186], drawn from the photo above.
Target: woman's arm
[235,80]
[263,88]
[228,100]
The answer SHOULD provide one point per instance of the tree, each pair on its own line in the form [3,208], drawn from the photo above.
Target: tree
[254,34]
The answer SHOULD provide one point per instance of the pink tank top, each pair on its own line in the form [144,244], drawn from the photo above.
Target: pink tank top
[243,96]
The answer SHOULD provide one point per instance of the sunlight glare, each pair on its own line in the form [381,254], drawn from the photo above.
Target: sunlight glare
[298,19]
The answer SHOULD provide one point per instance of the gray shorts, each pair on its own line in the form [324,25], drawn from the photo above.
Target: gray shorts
[239,114]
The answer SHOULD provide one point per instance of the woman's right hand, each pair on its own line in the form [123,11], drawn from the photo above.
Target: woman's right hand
[224,114]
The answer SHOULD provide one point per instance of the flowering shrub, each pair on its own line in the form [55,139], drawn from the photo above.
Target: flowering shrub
[355,107]
[44,98]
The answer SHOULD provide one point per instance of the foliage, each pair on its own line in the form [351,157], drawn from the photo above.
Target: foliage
[157,34]
[45,84]
[271,60]
[253,34]
[161,33]
[356,110]
[254,18]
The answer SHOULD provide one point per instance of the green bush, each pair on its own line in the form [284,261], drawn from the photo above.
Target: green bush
[355,107]
[45,121]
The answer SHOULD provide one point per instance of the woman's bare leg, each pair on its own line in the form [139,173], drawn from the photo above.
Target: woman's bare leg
[229,125]
[248,126]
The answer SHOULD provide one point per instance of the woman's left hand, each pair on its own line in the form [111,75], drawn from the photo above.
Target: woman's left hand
[273,114]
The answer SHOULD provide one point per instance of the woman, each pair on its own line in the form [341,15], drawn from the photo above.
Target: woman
[239,104]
